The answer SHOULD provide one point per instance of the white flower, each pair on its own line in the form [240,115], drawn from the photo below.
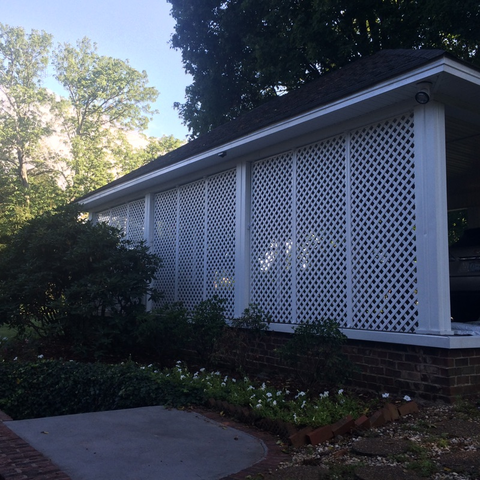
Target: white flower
[251,387]
[234,380]
[407,398]
[202,369]
[274,403]
[142,368]
[179,362]
[385,395]
[279,393]
[340,392]
[259,406]
[300,394]
[269,395]
[150,366]
[182,377]
[263,387]
[303,404]
[40,356]
[16,358]
[223,384]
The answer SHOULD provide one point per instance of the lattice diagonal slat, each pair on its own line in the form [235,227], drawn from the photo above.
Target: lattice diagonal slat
[321,245]
[129,218]
[272,236]
[191,244]
[136,221]
[220,244]
[164,242]
[384,295]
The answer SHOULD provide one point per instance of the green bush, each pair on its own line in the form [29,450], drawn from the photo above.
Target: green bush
[208,324]
[73,280]
[241,339]
[164,333]
[49,388]
[315,353]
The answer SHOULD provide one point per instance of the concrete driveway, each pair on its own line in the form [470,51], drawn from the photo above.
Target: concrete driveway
[149,443]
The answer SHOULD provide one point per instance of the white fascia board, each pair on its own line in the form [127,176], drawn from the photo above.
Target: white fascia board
[451,342]
[407,79]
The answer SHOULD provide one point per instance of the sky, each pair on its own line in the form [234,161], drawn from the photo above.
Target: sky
[137,30]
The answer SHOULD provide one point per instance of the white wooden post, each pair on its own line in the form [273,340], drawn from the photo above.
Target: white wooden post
[148,231]
[431,225]
[242,239]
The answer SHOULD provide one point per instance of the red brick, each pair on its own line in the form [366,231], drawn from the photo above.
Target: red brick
[343,426]
[362,423]
[320,435]
[378,419]
[393,411]
[407,408]
[300,438]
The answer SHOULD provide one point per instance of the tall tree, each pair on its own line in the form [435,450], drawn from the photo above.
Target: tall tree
[106,97]
[23,123]
[242,52]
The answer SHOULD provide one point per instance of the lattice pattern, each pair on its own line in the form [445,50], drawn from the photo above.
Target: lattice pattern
[164,242]
[191,244]
[220,243]
[384,295]
[129,218]
[272,236]
[136,221]
[321,243]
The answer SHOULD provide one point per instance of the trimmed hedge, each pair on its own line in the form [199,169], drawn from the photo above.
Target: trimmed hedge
[52,387]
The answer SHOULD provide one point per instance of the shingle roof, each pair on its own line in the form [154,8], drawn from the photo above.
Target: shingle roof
[332,86]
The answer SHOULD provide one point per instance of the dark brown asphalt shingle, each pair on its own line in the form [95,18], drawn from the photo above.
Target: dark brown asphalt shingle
[335,85]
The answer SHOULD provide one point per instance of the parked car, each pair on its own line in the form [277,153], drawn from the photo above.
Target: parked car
[465,276]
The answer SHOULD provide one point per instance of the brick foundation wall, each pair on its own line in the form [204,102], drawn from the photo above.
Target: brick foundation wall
[426,372]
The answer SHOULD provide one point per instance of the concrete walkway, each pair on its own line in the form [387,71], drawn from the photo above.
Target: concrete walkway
[150,443]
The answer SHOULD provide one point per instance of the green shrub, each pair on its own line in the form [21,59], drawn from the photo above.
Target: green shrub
[241,339]
[208,324]
[49,388]
[73,280]
[315,353]
[164,333]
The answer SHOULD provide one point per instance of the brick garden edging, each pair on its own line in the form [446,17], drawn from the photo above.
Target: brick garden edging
[299,437]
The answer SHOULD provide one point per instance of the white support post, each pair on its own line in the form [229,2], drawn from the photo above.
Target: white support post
[148,221]
[431,220]
[148,232]
[242,239]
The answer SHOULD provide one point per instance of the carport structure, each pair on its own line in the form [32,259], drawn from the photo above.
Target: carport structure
[328,202]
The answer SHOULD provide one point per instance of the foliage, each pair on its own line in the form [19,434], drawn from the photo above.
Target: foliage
[25,171]
[208,324]
[457,224]
[252,51]
[243,336]
[53,149]
[315,352]
[163,333]
[52,387]
[74,280]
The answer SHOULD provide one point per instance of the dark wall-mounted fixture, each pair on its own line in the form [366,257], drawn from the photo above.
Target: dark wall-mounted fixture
[423,94]
[222,154]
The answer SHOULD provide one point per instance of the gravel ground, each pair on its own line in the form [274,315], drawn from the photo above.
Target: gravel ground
[441,442]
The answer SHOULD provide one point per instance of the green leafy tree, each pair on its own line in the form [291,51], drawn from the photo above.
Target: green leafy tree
[106,97]
[242,52]
[75,281]
[24,161]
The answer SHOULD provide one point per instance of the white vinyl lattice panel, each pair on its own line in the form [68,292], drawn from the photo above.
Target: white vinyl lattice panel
[164,242]
[321,238]
[129,218]
[221,206]
[271,240]
[136,221]
[191,244]
[384,295]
